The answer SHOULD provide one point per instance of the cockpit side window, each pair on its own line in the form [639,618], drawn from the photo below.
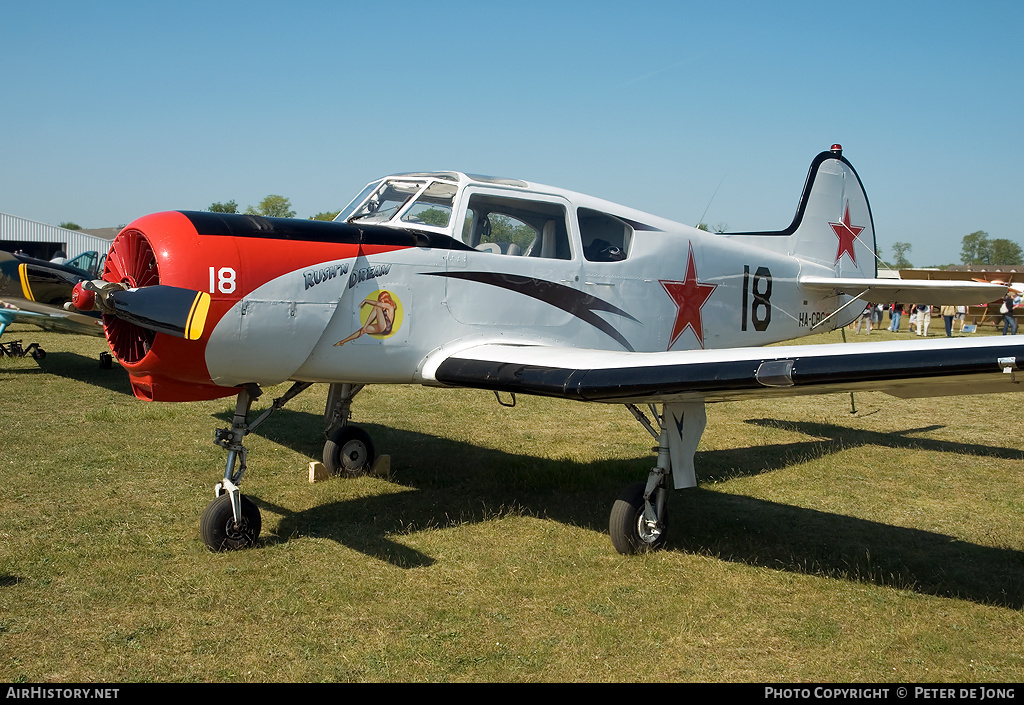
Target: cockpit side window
[605,237]
[516,227]
[434,206]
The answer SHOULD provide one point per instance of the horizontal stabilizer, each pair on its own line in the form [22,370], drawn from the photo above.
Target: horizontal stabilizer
[919,291]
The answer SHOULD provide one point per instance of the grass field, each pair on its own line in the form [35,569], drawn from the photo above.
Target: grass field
[823,545]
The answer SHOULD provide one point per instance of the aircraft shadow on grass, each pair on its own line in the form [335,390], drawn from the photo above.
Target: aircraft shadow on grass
[454,483]
[844,437]
[80,368]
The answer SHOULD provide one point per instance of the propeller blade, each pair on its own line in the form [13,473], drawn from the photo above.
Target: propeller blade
[164,309]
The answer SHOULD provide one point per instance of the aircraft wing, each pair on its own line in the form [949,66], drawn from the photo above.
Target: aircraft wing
[49,317]
[922,291]
[907,369]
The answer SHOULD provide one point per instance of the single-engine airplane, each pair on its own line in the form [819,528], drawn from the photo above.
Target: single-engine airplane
[452,279]
[35,291]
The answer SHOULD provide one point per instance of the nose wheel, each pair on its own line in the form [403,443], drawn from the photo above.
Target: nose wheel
[220,531]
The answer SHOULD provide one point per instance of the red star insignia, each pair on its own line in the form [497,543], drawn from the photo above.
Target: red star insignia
[689,296]
[847,234]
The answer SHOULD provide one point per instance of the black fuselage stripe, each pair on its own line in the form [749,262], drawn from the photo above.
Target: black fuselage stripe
[327,231]
[580,304]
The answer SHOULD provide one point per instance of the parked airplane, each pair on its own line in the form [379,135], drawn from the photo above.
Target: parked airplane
[452,279]
[35,291]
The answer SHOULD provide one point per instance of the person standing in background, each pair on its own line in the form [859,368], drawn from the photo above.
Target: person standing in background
[924,318]
[948,312]
[1009,322]
[897,313]
[865,318]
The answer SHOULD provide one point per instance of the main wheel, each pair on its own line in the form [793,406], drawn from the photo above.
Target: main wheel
[38,354]
[219,530]
[630,532]
[349,452]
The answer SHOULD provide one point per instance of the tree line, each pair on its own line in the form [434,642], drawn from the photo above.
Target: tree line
[273,206]
[976,248]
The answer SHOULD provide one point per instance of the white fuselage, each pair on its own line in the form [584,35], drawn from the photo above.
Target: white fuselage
[658,286]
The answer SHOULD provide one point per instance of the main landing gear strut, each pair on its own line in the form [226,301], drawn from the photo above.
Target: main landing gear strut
[639,517]
[348,450]
[232,520]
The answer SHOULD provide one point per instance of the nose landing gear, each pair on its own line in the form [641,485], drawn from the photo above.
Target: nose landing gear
[232,520]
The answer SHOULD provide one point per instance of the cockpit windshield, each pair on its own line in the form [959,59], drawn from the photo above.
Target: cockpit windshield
[385,201]
[347,211]
[382,200]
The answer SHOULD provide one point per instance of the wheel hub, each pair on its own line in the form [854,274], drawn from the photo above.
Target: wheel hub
[236,530]
[353,455]
[648,531]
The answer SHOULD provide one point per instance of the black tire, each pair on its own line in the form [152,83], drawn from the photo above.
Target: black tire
[38,354]
[218,527]
[625,525]
[349,452]
[106,361]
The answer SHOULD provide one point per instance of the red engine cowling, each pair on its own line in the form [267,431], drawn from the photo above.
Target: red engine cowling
[225,256]
[165,248]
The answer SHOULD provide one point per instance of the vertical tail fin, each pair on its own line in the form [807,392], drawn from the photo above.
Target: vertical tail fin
[833,222]
[833,225]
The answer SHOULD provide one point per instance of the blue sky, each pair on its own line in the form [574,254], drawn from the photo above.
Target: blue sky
[115,109]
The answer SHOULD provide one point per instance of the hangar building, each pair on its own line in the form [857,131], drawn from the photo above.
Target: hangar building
[43,241]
